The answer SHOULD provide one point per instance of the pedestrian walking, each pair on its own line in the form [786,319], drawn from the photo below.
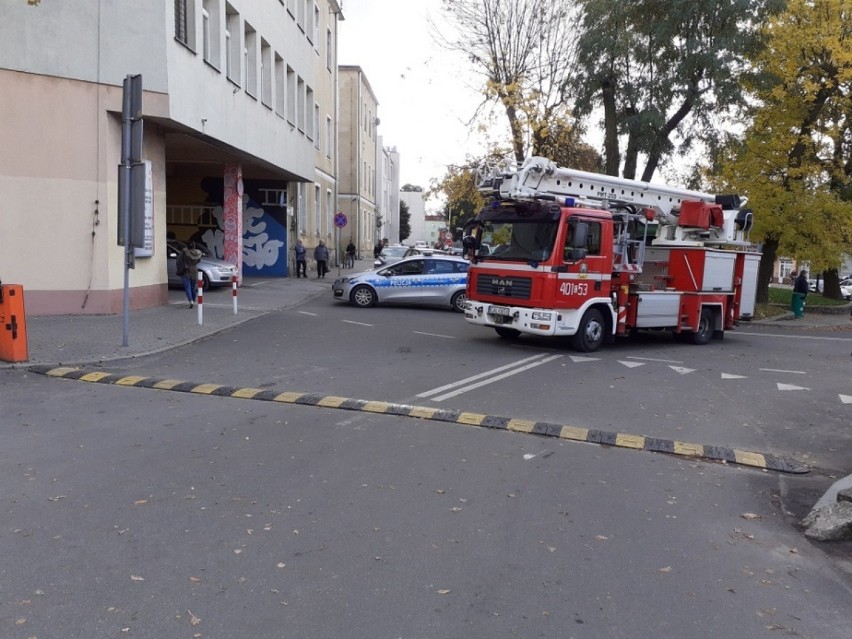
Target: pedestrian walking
[321,257]
[350,255]
[800,293]
[377,249]
[301,259]
[187,267]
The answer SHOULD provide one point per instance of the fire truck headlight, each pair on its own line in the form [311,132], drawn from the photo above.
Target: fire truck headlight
[541,316]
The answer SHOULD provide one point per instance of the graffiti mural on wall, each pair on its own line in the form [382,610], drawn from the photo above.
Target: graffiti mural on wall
[264,227]
[264,239]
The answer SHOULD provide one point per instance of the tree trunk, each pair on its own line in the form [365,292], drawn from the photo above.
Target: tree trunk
[764,272]
[611,152]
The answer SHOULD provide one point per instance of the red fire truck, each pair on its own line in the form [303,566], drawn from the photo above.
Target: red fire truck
[570,253]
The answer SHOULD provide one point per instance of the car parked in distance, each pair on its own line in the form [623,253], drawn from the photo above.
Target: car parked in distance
[438,280]
[846,288]
[393,254]
[214,272]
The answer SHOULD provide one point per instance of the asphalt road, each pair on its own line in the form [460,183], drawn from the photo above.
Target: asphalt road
[150,513]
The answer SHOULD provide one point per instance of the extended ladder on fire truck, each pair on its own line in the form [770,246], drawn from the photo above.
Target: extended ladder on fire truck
[683,216]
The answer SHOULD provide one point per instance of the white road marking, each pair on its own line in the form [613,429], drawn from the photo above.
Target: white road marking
[441,389]
[788,336]
[357,323]
[435,335]
[781,370]
[512,369]
[846,399]
[651,359]
[791,387]
[732,376]
[306,313]
[631,364]
[682,370]
[578,359]
[476,385]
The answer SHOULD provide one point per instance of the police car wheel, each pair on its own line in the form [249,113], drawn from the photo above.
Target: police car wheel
[458,302]
[363,296]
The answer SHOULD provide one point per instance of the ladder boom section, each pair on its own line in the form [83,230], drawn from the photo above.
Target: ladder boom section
[539,178]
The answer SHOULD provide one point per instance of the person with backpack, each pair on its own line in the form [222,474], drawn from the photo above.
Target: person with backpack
[187,267]
[350,255]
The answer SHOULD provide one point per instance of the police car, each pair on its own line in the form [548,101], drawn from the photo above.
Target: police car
[438,280]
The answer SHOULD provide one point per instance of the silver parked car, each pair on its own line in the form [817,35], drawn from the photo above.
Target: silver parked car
[214,272]
[438,280]
[393,254]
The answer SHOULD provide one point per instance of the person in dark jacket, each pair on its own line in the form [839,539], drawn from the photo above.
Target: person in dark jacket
[321,257]
[801,284]
[301,259]
[350,255]
[187,264]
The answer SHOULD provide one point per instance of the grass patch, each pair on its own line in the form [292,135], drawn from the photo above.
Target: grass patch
[780,298]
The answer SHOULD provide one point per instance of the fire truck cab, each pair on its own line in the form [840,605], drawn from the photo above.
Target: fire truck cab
[592,257]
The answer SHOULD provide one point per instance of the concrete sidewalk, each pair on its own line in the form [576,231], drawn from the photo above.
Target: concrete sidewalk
[85,339]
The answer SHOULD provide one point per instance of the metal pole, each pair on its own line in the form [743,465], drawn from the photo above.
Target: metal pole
[234,291]
[126,123]
[200,298]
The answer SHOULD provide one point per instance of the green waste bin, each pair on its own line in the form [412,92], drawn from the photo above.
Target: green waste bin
[797,304]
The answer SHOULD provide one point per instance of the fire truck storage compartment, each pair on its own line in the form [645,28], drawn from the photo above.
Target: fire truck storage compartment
[657,309]
[694,269]
[748,292]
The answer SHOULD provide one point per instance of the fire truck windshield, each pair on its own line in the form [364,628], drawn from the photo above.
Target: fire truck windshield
[521,239]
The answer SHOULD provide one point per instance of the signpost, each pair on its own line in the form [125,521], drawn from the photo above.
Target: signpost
[340,222]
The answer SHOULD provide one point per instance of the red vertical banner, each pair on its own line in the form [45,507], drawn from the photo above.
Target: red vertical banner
[232,216]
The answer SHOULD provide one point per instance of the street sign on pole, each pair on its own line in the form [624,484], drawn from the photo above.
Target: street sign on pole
[340,220]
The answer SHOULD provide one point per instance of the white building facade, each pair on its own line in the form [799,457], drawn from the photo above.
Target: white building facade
[240,139]
[387,187]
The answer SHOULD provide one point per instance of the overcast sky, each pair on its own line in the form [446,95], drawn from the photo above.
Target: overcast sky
[424,100]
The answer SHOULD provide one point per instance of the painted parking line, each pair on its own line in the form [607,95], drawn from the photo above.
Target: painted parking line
[721,454]
[484,374]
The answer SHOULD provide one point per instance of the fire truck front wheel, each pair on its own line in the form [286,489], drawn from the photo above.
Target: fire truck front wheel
[507,333]
[590,333]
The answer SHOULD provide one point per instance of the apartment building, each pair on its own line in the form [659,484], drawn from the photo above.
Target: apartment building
[387,188]
[239,144]
[358,157]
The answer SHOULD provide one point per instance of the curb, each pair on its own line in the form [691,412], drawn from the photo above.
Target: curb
[545,429]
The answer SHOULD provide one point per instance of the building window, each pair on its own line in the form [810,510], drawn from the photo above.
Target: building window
[265,73]
[316,126]
[329,51]
[250,59]
[302,205]
[210,32]
[232,44]
[309,112]
[329,139]
[317,210]
[316,28]
[291,96]
[185,22]
[301,98]
[329,208]
[280,87]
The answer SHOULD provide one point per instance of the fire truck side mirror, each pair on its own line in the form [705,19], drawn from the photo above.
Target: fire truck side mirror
[581,234]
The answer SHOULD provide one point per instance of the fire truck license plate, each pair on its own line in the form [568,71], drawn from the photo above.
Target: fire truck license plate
[500,310]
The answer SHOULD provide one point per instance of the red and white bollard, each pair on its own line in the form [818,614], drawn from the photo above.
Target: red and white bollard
[234,291]
[200,297]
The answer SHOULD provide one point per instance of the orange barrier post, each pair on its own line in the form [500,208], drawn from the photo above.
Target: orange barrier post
[13,324]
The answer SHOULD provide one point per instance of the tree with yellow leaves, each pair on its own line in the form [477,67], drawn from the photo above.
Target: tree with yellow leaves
[794,160]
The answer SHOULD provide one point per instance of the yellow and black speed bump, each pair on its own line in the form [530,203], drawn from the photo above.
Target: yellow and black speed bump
[545,429]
